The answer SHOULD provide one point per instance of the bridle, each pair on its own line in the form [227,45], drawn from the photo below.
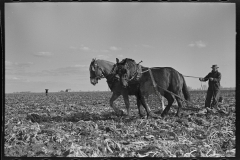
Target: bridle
[96,69]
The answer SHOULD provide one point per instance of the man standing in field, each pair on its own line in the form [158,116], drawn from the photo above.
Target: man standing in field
[213,91]
[46,91]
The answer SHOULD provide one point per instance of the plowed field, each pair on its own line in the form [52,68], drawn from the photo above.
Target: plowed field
[82,124]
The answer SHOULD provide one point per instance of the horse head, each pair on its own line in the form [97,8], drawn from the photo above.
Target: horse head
[127,70]
[96,72]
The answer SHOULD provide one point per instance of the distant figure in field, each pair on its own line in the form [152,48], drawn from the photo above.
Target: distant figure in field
[46,92]
[213,91]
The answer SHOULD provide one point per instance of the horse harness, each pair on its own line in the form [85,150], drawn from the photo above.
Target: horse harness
[111,77]
[137,74]
[96,68]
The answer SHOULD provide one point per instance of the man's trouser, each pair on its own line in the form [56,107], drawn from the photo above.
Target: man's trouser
[212,94]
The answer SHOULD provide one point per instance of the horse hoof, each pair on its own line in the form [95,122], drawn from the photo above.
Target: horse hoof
[162,115]
[153,116]
[120,113]
[177,115]
[158,112]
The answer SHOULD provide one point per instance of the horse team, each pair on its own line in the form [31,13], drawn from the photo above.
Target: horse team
[129,78]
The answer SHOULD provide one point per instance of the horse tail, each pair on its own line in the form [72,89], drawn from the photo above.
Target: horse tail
[185,90]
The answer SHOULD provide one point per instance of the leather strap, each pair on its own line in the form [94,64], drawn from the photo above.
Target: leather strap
[154,83]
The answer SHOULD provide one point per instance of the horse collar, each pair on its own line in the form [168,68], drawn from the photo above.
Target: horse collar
[112,72]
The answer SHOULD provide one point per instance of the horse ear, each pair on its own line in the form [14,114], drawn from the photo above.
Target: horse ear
[117,60]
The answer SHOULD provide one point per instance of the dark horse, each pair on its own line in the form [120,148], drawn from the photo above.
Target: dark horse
[164,77]
[105,69]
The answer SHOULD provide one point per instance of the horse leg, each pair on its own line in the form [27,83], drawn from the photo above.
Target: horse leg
[170,99]
[112,99]
[144,100]
[126,101]
[179,106]
[160,98]
[163,106]
[139,106]
[179,102]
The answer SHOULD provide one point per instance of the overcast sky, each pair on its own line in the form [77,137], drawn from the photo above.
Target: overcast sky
[51,45]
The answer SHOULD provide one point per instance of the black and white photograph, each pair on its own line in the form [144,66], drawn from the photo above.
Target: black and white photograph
[119,79]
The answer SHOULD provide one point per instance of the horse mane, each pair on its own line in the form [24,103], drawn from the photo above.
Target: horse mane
[132,62]
[126,60]
[132,67]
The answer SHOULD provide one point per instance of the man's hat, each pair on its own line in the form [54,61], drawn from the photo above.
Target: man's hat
[214,66]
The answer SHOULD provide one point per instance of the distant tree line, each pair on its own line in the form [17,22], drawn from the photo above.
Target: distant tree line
[205,87]
[228,88]
[23,92]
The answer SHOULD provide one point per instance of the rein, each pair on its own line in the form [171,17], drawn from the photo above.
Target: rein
[191,76]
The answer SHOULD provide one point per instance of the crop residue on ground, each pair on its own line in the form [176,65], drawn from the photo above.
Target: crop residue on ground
[82,124]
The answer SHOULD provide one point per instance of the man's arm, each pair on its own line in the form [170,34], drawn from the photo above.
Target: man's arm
[206,77]
[218,78]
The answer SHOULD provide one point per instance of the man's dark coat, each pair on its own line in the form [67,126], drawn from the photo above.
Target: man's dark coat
[213,87]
